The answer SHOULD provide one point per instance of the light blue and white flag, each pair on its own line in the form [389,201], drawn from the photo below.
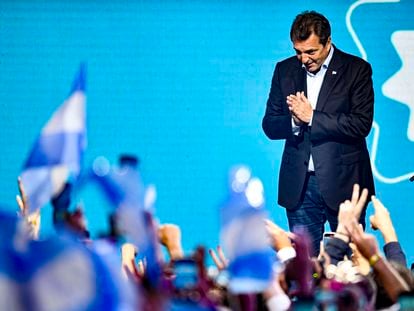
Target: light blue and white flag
[243,234]
[133,202]
[59,273]
[58,150]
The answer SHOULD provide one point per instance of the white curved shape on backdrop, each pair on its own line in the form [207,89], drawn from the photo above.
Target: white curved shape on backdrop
[375,125]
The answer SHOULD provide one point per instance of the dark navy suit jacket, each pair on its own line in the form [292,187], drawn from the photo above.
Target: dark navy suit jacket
[341,120]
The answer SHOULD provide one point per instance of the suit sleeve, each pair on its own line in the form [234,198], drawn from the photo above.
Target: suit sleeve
[354,123]
[277,121]
[393,251]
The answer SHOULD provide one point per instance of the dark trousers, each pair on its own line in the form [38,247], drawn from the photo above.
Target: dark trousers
[312,214]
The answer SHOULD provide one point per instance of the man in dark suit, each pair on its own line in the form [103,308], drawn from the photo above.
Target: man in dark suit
[322,103]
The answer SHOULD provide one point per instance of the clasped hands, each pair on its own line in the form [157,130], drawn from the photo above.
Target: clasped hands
[300,108]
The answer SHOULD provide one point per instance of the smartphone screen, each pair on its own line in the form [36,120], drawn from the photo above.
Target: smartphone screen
[327,236]
[186,274]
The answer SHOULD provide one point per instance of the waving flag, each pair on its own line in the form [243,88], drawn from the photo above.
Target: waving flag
[58,273]
[133,202]
[58,150]
[244,236]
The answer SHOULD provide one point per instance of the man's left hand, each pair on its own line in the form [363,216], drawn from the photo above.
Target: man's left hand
[300,107]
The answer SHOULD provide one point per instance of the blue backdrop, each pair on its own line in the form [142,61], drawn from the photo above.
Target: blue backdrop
[183,84]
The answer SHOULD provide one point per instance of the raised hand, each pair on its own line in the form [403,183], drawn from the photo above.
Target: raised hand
[279,237]
[393,283]
[354,207]
[128,253]
[32,219]
[366,243]
[169,235]
[358,200]
[300,267]
[21,198]
[381,220]
[350,210]
[219,258]
[300,108]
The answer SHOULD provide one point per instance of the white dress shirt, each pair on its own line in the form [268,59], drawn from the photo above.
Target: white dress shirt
[314,82]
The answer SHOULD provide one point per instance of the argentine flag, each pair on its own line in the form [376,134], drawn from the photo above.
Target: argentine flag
[243,234]
[59,273]
[124,188]
[58,150]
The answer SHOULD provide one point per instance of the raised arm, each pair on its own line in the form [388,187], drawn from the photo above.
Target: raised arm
[169,235]
[381,220]
[392,282]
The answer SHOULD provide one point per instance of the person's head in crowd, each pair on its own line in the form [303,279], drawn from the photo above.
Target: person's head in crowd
[126,159]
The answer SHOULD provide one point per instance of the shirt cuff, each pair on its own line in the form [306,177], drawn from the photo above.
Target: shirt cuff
[295,128]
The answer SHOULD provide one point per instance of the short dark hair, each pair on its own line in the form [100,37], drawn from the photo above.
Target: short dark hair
[309,22]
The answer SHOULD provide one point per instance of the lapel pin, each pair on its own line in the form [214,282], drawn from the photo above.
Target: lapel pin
[334,72]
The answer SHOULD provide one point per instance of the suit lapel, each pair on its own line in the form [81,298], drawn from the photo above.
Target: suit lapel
[332,75]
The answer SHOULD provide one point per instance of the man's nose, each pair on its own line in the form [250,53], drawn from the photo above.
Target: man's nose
[304,59]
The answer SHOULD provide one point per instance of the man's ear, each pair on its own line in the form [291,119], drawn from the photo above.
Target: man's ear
[328,42]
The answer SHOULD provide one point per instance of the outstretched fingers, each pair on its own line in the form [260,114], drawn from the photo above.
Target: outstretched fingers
[219,258]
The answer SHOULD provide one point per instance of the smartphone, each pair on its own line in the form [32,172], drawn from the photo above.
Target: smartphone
[327,236]
[185,273]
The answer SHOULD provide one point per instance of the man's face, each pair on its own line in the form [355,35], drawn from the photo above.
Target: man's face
[311,52]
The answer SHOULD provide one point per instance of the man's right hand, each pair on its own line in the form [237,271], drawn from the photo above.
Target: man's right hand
[297,121]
